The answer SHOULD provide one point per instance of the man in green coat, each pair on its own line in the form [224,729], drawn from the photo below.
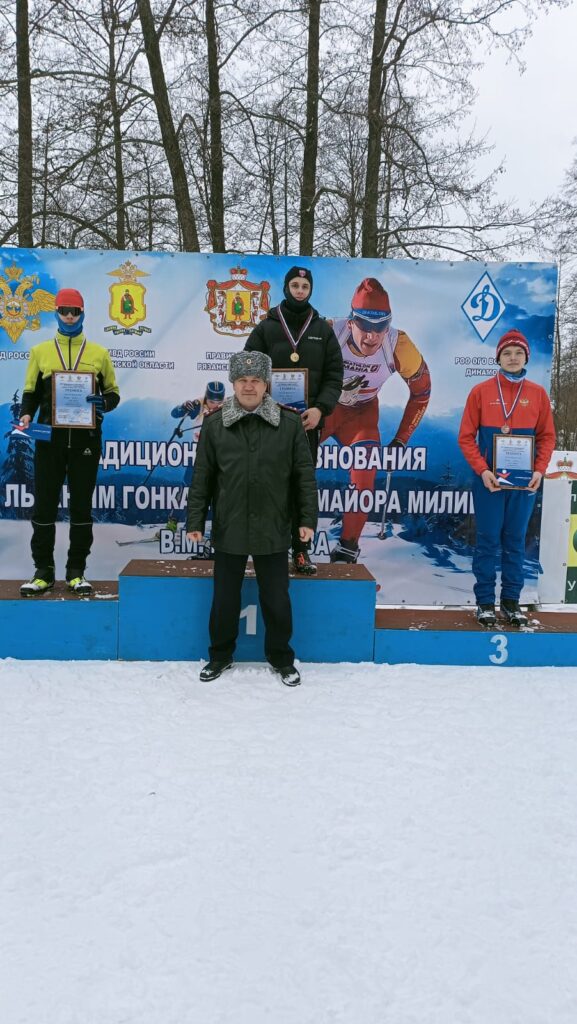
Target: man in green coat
[252,463]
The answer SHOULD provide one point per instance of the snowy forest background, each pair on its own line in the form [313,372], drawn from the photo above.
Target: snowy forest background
[318,126]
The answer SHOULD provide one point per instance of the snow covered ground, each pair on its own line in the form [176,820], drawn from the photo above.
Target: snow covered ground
[383,845]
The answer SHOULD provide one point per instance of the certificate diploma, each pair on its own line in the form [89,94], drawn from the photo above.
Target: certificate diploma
[290,387]
[69,406]
[513,458]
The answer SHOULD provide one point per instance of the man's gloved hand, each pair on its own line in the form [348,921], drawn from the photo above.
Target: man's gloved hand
[98,402]
[395,443]
[352,387]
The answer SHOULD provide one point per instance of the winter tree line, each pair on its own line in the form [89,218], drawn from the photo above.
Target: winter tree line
[325,127]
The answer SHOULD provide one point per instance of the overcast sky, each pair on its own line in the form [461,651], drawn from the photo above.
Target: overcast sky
[532,117]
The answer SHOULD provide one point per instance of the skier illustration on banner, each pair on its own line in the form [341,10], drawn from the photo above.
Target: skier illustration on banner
[196,409]
[373,350]
[18,467]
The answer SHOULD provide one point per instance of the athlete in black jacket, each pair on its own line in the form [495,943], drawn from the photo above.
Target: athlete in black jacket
[295,329]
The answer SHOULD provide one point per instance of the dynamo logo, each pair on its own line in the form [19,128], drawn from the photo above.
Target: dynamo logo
[484,306]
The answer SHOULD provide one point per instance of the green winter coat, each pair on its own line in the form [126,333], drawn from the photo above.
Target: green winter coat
[251,468]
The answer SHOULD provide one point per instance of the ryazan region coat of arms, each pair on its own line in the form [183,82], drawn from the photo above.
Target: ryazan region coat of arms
[237,305]
[21,302]
[564,471]
[126,304]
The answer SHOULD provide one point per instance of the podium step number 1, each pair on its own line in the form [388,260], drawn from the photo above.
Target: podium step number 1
[250,614]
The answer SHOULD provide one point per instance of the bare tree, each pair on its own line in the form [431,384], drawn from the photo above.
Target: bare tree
[310,149]
[216,142]
[375,94]
[25,233]
[321,126]
[170,141]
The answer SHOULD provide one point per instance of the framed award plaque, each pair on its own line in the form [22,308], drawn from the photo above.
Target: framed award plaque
[290,387]
[513,460]
[69,406]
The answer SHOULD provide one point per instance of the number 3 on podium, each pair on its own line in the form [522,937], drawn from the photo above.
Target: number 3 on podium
[501,654]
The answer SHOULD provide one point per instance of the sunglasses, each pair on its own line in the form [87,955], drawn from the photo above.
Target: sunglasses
[72,310]
[369,326]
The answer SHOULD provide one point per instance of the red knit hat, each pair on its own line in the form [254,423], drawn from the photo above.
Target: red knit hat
[512,337]
[371,301]
[69,297]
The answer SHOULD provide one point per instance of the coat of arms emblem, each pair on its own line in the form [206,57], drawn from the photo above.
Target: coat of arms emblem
[21,302]
[564,470]
[237,305]
[127,306]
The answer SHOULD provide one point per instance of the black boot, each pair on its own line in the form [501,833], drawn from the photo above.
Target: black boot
[511,611]
[302,563]
[486,614]
[213,669]
[289,674]
[345,551]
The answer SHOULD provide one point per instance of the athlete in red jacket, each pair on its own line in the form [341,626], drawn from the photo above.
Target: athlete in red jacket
[507,403]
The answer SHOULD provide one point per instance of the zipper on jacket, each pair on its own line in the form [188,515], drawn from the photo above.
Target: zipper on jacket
[69,367]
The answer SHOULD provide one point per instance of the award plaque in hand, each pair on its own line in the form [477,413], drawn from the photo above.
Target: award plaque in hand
[290,387]
[513,460]
[69,406]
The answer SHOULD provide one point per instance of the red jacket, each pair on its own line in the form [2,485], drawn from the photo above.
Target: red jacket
[483,417]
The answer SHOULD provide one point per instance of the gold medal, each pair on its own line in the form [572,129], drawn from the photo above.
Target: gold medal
[505,429]
[295,357]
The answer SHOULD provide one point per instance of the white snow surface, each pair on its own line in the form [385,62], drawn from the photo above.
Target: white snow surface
[383,845]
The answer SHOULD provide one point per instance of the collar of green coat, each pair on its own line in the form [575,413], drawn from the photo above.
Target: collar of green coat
[75,342]
[268,410]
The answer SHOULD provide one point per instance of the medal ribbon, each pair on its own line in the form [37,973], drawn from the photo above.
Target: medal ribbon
[507,413]
[71,369]
[288,331]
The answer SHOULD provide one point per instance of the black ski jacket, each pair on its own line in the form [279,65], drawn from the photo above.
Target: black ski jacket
[319,352]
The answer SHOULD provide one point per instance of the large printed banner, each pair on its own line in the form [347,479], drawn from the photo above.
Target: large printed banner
[171,322]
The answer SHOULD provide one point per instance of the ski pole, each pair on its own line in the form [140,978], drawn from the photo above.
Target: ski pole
[381,534]
[177,432]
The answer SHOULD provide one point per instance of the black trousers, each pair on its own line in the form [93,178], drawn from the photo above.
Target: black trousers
[296,542]
[53,464]
[273,592]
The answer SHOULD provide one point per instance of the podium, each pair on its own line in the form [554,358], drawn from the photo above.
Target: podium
[159,610]
[164,608]
[59,625]
[452,636]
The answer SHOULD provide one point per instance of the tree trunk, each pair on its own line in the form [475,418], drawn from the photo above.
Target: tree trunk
[25,236]
[285,204]
[45,181]
[112,25]
[309,176]
[273,228]
[215,122]
[149,210]
[374,130]
[384,248]
[186,218]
